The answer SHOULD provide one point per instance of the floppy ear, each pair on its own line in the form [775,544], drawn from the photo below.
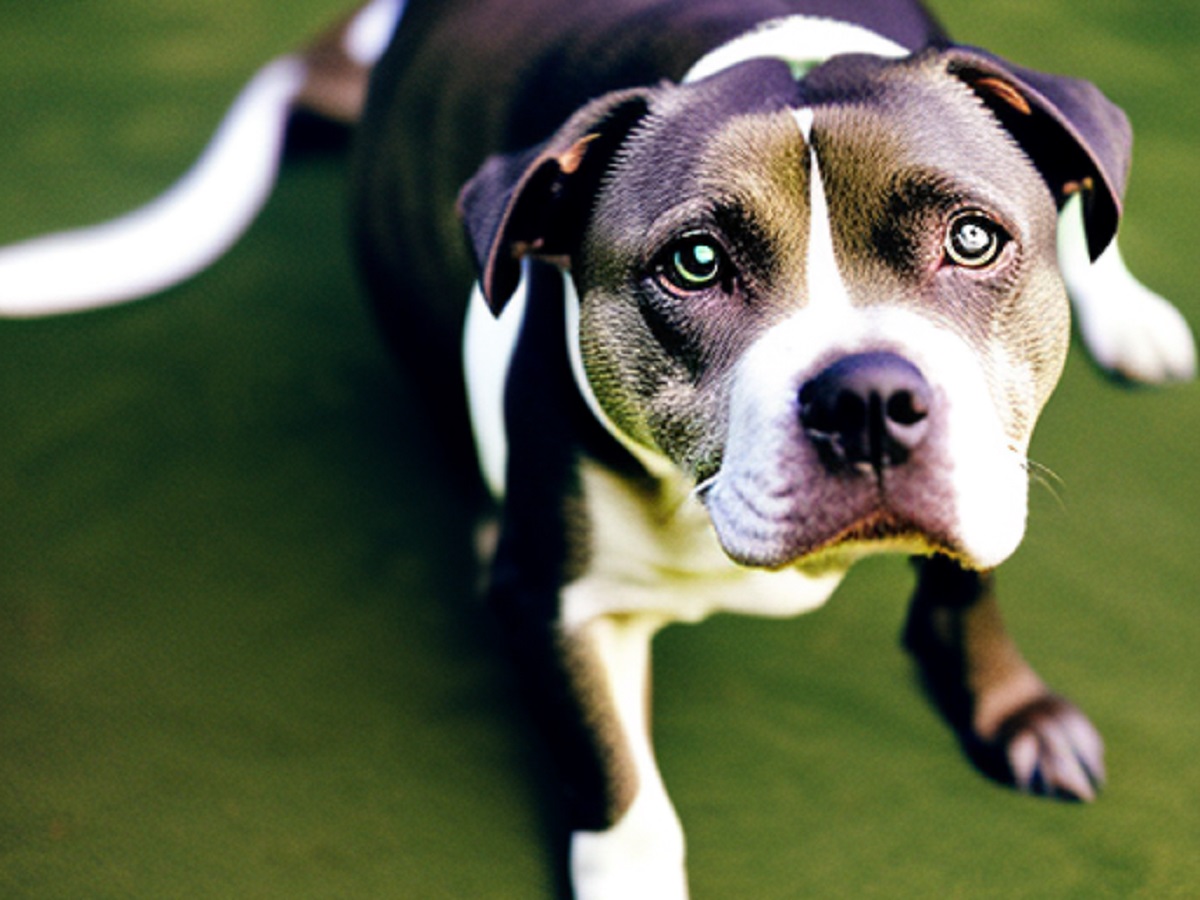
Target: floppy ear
[536,203]
[1078,139]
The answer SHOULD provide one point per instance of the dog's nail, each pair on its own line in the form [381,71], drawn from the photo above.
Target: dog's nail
[1023,760]
[1056,752]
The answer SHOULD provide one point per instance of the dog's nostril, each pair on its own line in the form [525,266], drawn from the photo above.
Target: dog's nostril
[867,409]
[905,408]
[850,411]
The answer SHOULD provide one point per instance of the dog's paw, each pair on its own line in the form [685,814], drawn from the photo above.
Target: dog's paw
[1133,333]
[634,883]
[1048,748]
[1130,331]
[639,858]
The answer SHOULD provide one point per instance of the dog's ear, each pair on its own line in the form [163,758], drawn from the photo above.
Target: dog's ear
[1079,140]
[536,203]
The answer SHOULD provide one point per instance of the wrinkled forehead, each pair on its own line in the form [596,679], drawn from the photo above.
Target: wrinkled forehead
[874,125]
[881,127]
[701,138]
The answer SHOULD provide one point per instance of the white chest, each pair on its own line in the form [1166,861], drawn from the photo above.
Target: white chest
[657,555]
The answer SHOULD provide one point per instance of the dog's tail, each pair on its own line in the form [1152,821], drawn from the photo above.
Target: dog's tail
[198,219]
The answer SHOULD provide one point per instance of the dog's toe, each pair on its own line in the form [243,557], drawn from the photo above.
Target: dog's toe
[1050,748]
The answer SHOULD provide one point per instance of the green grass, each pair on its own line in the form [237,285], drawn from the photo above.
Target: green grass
[239,652]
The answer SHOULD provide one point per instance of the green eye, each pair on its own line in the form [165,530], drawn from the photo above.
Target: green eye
[695,263]
[974,240]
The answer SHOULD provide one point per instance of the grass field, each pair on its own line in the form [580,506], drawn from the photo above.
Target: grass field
[239,651]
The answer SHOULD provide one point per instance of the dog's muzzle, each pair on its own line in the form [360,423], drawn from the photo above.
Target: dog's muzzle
[855,460]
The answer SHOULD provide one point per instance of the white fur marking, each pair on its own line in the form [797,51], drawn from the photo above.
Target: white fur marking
[826,287]
[1128,328]
[804,119]
[642,856]
[488,346]
[801,41]
[371,30]
[655,553]
[177,234]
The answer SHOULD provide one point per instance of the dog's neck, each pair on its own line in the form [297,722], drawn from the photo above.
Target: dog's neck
[803,42]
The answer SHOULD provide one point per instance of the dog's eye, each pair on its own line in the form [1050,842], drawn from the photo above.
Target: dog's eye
[974,241]
[694,263]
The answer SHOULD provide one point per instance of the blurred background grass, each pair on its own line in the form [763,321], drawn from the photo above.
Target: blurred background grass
[239,653]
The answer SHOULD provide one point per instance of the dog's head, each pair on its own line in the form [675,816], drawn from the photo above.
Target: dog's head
[833,302]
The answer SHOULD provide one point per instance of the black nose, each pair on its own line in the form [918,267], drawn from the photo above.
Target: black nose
[867,409]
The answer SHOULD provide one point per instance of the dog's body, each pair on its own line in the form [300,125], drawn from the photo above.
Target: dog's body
[772,286]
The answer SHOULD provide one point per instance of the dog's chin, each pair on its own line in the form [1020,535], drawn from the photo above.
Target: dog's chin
[817,541]
[817,553]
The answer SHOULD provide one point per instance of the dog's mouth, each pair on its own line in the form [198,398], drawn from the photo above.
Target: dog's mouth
[832,523]
[882,531]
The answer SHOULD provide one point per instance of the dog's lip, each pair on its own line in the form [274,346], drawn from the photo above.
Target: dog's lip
[879,531]
[882,527]
[782,541]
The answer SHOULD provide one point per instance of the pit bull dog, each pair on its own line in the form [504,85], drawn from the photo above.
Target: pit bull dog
[761,288]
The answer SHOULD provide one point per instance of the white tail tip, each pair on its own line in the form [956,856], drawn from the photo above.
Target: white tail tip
[174,236]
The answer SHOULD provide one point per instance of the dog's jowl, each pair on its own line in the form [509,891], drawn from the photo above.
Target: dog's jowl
[758,292]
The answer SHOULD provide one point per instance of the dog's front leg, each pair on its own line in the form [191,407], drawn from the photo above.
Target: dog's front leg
[588,686]
[580,644]
[639,850]
[1010,723]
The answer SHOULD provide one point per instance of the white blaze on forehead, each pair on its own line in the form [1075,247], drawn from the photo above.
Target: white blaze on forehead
[825,287]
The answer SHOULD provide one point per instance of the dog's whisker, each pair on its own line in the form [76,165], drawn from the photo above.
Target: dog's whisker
[693,496]
[1043,476]
[703,487]
[1044,472]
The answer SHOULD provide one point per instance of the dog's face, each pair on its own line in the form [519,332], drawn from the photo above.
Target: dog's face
[833,304]
[734,256]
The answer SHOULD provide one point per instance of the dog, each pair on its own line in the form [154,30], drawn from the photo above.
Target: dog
[760,288]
